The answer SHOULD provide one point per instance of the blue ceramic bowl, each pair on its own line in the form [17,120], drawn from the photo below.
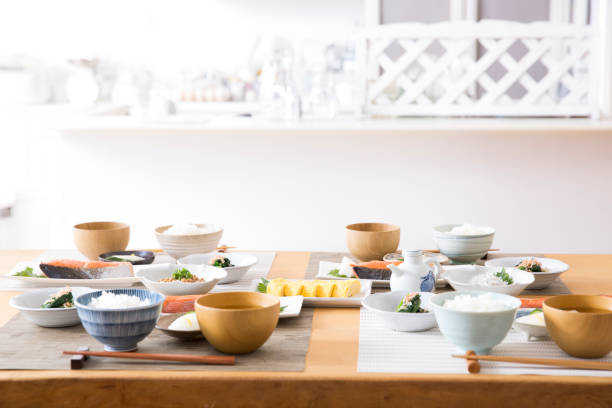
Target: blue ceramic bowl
[477,331]
[120,329]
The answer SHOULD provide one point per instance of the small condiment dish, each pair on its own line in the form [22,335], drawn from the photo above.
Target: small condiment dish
[554,268]
[29,304]
[581,325]
[164,322]
[531,330]
[384,305]
[242,263]
[148,256]
[460,278]
[237,322]
[151,277]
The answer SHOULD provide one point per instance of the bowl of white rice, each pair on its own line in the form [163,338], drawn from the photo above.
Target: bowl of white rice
[475,320]
[463,243]
[180,240]
[509,281]
[119,318]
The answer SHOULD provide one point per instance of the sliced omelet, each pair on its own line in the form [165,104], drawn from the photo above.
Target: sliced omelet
[294,288]
[347,288]
[326,288]
[276,287]
[311,288]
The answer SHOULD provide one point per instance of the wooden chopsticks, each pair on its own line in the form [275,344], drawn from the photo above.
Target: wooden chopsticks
[185,358]
[581,364]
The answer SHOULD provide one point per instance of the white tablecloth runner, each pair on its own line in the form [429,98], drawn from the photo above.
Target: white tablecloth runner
[382,350]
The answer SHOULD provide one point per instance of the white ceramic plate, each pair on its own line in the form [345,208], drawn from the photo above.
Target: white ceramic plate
[28,303]
[385,306]
[27,282]
[242,263]
[294,306]
[326,267]
[459,278]
[152,274]
[554,269]
[354,301]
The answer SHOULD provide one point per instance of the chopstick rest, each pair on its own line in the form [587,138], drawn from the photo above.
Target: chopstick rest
[77,361]
[473,366]
[185,358]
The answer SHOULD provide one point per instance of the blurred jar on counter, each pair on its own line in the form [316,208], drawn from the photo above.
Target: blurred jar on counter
[278,91]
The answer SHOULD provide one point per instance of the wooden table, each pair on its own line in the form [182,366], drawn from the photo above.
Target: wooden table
[329,379]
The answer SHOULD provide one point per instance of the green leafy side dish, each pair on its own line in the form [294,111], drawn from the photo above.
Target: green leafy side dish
[29,273]
[505,276]
[530,265]
[182,273]
[336,273]
[263,286]
[61,300]
[411,303]
[221,262]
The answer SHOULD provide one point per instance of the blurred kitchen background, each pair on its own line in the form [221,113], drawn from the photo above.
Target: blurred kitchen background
[248,114]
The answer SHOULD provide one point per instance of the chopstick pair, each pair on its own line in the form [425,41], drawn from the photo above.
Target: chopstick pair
[557,362]
[185,358]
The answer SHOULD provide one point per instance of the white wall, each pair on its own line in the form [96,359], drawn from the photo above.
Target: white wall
[544,192]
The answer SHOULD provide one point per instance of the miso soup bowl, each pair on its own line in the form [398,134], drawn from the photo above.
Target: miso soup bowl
[583,335]
[237,322]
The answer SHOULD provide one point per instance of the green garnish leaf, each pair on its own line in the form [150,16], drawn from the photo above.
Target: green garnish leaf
[336,273]
[29,273]
[113,258]
[535,311]
[263,285]
[182,273]
[505,276]
[283,308]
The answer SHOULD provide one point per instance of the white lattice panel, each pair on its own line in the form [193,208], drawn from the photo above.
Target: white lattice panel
[536,69]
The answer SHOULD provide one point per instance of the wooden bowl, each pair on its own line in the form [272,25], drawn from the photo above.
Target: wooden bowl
[372,241]
[580,334]
[95,238]
[237,322]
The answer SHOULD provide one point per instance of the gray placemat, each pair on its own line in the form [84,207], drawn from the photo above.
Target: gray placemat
[25,346]
[556,288]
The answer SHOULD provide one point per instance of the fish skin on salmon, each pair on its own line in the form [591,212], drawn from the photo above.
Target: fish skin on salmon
[378,270]
[74,269]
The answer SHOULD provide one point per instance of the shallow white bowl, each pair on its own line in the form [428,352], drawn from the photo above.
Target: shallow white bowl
[542,279]
[242,262]
[28,303]
[459,278]
[178,246]
[151,276]
[385,306]
[463,248]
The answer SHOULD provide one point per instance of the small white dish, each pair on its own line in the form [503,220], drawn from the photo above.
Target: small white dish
[532,331]
[151,276]
[554,268]
[385,306]
[354,301]
[460,277]
[292,305]
[242,263]
[28,303]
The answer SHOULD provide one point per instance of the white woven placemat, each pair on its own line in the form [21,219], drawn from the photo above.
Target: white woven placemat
[382,350]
